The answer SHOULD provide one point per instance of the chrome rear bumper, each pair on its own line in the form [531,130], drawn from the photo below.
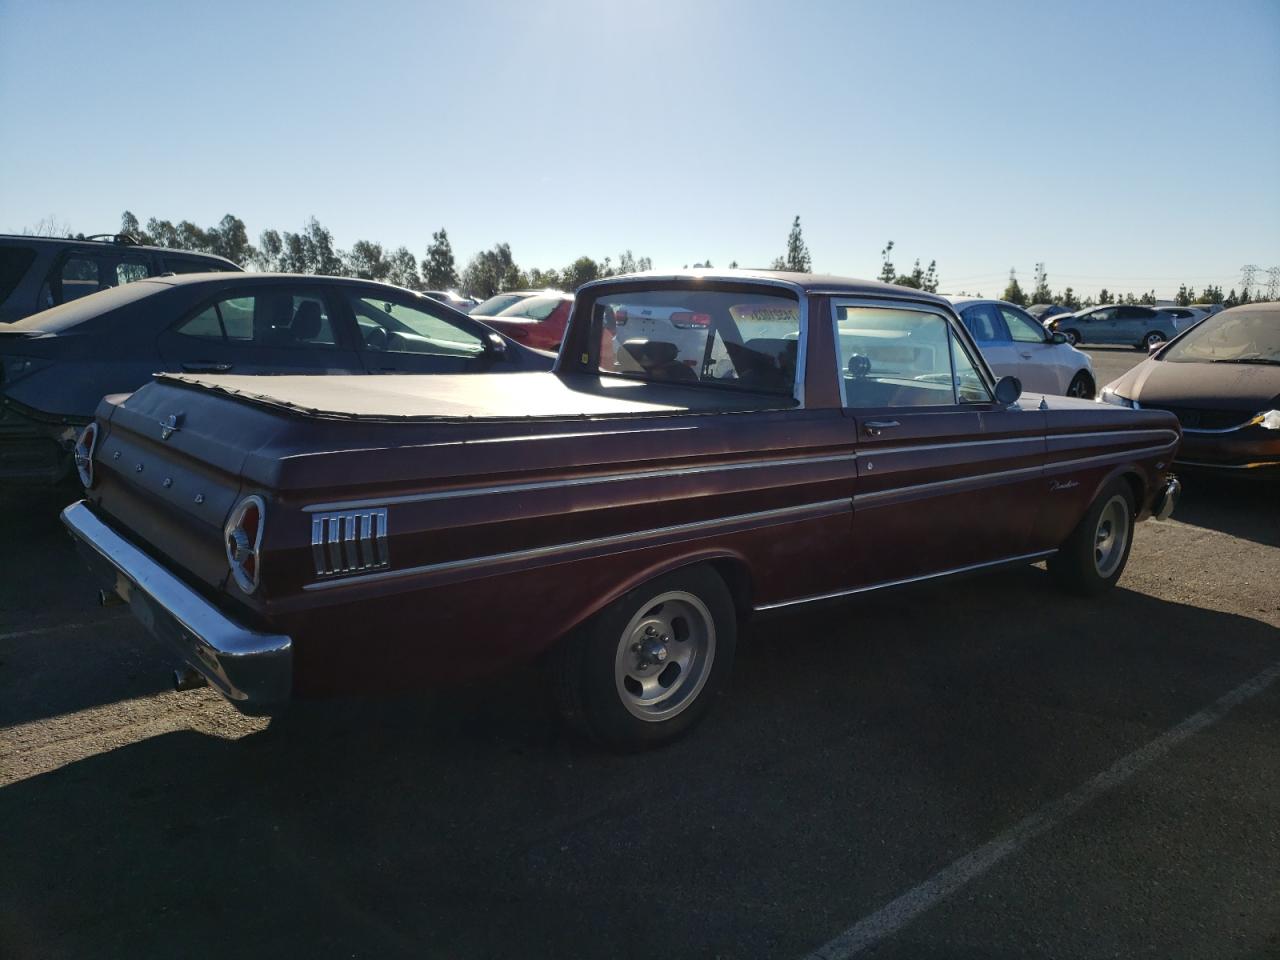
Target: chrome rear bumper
[253,670]
[1166,499]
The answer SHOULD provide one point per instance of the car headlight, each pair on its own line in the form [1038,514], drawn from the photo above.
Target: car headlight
[1269,420]
[1109,395]
[83,453]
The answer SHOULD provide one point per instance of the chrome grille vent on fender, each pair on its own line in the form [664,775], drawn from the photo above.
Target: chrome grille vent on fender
[349,542]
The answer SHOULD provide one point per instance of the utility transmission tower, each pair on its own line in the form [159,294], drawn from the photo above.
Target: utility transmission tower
[1273,283]
[1247,273]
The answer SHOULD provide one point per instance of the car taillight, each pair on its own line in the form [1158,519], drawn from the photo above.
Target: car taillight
[85,445]
[684,320]
[243,538]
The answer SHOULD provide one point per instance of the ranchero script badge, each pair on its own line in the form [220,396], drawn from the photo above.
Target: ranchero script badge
[170,426]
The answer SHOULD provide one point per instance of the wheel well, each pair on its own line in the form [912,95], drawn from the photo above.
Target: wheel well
[737,578]
[1138,487]
[1088,378]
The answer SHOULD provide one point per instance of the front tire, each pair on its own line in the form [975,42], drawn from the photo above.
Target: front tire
[647,668]
[1151,339]
[1094,556]
[1081,386]
[1073,337]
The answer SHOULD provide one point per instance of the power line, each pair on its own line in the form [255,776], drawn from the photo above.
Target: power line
[1246,277]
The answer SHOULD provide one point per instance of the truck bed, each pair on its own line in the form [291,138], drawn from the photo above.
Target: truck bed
[511,396]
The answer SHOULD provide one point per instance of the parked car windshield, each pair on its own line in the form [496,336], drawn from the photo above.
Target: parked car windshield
[535,308]
[743,340]
[1237,336]
[496,304]
[82,309]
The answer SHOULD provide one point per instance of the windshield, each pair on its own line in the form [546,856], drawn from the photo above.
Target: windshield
[535,308]
[496,304]
[1238,336]
[744,340]
[83,309]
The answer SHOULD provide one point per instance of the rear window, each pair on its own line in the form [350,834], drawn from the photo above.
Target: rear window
[14,264]
[78,311]
[496,304]
[745,340]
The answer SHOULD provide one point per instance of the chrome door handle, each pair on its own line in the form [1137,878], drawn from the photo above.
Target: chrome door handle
[1025,356]
[873,428]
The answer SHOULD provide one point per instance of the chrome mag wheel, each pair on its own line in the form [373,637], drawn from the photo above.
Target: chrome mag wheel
[1111,536]
[664,656]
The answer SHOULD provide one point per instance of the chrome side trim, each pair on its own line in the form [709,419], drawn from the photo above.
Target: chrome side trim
[940,485]
[1116,433]
[1108,457]
[349,541]
[1229,466]
[1236,429]
[500,488]
[1024,558]
[626,540]
[249,668]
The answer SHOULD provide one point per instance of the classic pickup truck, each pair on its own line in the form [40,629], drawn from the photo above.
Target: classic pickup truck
[708,446]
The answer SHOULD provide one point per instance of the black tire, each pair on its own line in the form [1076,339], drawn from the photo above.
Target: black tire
[1073,336]
[1151,339]
[1077,566]
[588,667]
[1082,386]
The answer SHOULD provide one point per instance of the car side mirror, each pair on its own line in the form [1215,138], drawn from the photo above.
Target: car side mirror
[494,346]
[1008,390]
[1057,338]
[1154,348]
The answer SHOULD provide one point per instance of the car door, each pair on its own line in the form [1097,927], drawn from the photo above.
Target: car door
[948,479]
[263,328]
[1099,326]
[1040,366]
[985,325]
[398,333]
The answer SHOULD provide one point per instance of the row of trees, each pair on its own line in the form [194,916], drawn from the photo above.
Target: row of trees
[312,250]
[1042,293]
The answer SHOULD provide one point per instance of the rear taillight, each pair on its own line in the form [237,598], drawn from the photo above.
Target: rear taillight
[85,445]
[243,539]
[684,320]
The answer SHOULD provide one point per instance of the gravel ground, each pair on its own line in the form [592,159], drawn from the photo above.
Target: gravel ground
[905,764]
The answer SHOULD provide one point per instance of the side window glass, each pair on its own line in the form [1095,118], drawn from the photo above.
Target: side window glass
[894,357]
[1021,328]
[397,327]
[981,322]
[128,271]
[278,319]
[81,276]
[970,387]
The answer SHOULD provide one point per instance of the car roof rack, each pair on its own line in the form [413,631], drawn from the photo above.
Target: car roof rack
[125,239]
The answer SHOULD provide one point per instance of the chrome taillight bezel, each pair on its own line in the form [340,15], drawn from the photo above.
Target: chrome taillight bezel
[243,547]
[82,453]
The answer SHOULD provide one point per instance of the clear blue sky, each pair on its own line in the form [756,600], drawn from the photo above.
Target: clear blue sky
[1129,145]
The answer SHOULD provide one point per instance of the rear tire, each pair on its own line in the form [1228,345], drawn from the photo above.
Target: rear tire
[1151,339]
[1082,386]
[647,668]
[1094,556]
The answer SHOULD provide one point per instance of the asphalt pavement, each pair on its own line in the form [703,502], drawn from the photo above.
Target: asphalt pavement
[982,768]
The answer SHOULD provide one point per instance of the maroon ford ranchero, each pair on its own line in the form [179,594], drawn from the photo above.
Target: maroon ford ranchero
[709,445]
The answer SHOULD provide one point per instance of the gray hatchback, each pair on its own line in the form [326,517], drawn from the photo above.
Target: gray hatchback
[1129,324]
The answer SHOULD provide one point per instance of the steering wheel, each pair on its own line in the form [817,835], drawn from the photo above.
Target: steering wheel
[859,366]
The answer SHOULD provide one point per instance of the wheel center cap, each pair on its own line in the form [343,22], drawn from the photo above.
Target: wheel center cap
[650,652]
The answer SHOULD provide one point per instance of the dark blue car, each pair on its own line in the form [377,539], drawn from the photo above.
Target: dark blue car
[56,365]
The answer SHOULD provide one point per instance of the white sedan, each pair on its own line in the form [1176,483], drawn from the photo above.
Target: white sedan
[1015,345]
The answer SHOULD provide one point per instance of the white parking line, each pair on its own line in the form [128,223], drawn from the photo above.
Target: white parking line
[893,916]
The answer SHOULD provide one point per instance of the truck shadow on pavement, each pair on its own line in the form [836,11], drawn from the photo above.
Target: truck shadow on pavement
[864,745]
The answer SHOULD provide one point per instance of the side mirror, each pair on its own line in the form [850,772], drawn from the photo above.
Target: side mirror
[1154,348]
[1008,390]
[494,346]
[1057,338]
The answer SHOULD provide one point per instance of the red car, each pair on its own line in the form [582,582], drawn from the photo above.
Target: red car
[537,322]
